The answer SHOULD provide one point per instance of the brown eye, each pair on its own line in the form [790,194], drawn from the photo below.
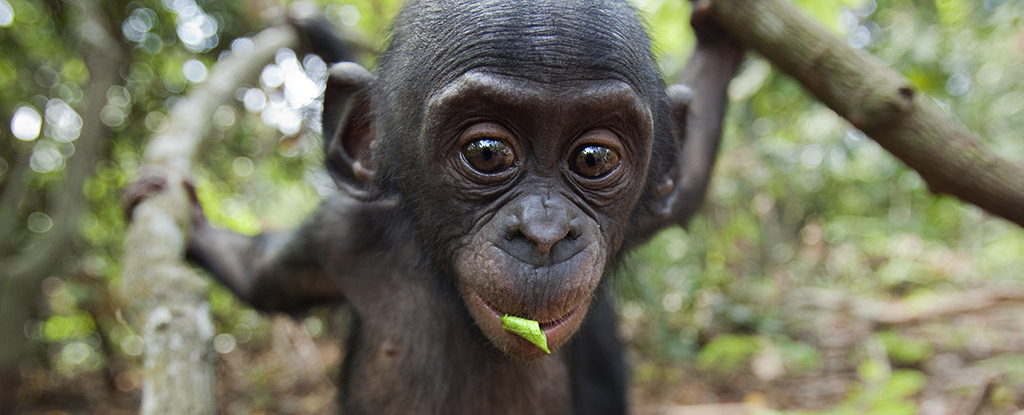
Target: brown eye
[594,161]
[489,156]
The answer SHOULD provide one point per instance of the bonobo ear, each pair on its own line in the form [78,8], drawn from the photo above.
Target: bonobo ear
[348,128]
[680,190]
[670,186]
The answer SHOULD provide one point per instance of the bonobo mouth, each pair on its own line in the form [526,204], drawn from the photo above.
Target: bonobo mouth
[547,326]
[558,328]
[494,284]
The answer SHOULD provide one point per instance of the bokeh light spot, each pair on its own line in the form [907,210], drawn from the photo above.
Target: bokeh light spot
[26,123]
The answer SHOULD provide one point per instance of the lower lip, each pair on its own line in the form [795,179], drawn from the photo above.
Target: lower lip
[550,327]
[553,325]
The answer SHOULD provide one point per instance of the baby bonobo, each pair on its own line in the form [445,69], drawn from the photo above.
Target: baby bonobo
[501,161]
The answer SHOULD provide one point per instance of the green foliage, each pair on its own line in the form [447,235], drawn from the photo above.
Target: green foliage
[799,198]
[883,392]
[727,352]
[903,350]
[799,357]
[64,327]
[670,38]
[827,11]
[952,12]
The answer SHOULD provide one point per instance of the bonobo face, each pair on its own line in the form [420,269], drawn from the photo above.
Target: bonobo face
[537,182]
[519,134]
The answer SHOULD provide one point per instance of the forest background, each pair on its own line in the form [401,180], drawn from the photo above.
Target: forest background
[821,275]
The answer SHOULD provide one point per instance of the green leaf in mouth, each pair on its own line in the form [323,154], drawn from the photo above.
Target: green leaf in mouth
[527,329]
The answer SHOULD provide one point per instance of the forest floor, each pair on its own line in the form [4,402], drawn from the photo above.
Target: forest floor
[955,362]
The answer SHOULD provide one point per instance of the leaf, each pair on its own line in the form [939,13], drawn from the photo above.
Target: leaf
[527,329]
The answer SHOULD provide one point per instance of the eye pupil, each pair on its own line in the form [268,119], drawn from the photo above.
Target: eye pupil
[593,161]
[489,156]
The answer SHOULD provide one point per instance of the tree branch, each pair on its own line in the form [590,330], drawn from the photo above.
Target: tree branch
[877,100]
[190,119]
[165,295]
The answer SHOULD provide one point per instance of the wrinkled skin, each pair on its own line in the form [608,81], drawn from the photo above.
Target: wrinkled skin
[503,158]
[536,249]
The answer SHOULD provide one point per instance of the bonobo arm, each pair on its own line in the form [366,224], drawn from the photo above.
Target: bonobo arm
[272,271]
[282,271]
[320,37]
[698,105]
[708,72]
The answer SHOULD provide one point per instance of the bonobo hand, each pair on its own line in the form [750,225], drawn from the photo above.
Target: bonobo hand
[707,30]
[153,180]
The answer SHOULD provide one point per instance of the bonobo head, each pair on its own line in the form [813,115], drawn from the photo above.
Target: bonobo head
[525,138]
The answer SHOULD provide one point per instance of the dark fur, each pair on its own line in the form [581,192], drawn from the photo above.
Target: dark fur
[556,42]
[392,242]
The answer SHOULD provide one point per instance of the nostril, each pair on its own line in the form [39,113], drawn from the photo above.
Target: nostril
[543,238]
[513,234]
[542,243]
[543,225]
[573,234]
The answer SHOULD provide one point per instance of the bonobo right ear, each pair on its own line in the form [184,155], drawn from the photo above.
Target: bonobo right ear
[348,128]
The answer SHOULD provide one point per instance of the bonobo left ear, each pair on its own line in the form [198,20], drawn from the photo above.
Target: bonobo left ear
[671,187]
[348,128]
[680,191]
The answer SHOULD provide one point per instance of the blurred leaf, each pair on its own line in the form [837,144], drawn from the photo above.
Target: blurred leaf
[63,327]
[904,383]
[727,352]
[903,350]
[872,371]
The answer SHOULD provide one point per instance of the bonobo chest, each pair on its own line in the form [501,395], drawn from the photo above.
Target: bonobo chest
[413,354]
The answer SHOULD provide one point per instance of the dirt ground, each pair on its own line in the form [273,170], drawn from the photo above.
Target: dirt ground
[974,365]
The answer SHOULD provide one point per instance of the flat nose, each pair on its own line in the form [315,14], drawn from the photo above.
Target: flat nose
[544,230]
[544,223]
